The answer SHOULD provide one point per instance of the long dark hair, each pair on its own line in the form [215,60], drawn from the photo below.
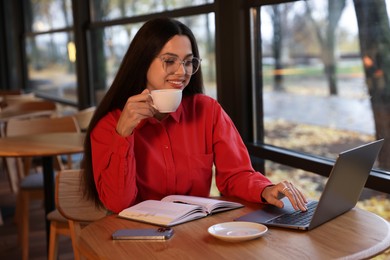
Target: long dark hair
[131,80]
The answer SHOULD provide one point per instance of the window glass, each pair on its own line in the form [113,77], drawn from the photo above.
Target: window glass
[46,15]
[51,65]
[108,10]
[109,46]
[116,39]
[325,90]
[203,27]
[324,67]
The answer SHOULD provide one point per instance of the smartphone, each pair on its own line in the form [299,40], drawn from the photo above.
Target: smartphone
[161,233]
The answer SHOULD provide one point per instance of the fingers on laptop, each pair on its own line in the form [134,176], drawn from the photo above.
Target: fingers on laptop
[295,195]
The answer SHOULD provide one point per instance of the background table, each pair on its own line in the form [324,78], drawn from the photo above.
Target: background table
[355,235]
[45,146]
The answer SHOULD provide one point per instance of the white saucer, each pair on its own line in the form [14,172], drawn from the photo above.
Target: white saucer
[237,231]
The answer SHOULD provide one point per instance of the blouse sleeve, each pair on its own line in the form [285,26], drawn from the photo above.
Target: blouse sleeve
[113,164]
[235,175]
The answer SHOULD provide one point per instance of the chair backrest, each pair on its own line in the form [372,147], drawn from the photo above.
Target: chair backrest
[4,92]
[29,105]
[83,117]
[41,125]
[70,201]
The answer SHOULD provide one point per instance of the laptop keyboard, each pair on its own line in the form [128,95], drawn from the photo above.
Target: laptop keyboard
[297,217]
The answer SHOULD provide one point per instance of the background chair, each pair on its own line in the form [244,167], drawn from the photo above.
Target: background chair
[31,183]
[83,117]
[11,99]
[26,108]
[71,203]
[23,109]
[4,94]
[28,104]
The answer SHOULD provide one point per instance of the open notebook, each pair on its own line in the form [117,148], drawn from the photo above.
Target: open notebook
[341,193]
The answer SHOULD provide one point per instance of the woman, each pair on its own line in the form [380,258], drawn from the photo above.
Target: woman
[134,153]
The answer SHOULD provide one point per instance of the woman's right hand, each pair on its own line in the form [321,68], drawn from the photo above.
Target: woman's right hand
[137,107]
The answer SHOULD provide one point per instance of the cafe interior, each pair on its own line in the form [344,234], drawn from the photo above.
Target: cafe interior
[302,80]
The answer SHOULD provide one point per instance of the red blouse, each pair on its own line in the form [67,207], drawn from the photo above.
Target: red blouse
[173,156]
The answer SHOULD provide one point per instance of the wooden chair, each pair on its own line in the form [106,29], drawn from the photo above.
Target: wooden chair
[83,117]
[4,94]
[31,184]
[10,92]
[71,203]
[26,108]
[9,100]
[28,104]
[23,110]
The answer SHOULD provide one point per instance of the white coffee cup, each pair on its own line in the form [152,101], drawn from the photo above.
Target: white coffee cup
[166,100]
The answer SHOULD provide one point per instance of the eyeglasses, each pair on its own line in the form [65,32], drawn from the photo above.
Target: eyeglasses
[171,64]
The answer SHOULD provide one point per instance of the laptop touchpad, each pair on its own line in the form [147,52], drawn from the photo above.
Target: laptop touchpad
[267,213]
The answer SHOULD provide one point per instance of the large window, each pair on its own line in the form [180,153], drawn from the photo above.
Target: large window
[315,94]
[51,65]
[106,28]
[50,49]
[323,73]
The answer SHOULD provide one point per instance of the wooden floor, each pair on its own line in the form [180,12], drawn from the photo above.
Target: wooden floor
[9,245]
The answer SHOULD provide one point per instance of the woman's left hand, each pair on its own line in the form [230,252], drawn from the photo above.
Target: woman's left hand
[273,194]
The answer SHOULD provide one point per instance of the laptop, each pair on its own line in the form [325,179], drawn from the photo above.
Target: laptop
[341,193]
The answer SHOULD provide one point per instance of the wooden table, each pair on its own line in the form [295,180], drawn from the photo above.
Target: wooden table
[45,146]
[356,234]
